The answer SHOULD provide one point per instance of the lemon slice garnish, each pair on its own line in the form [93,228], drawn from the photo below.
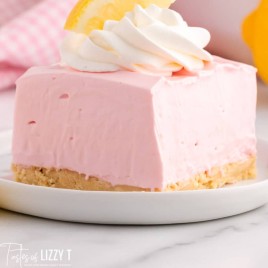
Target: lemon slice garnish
[89,15]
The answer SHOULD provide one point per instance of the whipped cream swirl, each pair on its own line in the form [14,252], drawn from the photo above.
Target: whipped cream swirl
[152,40]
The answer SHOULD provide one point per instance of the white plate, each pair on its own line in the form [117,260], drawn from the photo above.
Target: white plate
[134,208]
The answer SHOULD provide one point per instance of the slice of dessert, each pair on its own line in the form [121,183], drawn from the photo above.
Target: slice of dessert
[143,108]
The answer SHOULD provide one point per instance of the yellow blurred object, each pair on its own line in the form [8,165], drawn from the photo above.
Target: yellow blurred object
[255,34]
[89,15]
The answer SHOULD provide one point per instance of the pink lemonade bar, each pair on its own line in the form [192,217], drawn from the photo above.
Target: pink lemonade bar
[127,131]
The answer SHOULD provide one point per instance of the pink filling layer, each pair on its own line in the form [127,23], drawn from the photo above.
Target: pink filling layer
[135,129]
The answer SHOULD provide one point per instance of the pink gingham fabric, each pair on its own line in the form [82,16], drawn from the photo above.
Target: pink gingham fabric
[30,34]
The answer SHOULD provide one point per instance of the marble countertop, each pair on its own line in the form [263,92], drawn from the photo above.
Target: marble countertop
[235,242]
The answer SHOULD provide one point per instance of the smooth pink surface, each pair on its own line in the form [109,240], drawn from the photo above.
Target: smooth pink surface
[206,121]
[130,128]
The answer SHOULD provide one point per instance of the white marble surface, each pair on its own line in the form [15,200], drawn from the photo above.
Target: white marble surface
[236,242]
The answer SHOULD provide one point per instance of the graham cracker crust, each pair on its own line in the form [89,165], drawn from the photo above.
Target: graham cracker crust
[63,178]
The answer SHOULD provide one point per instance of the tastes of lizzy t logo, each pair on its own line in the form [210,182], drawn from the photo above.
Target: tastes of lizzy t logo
[15,255]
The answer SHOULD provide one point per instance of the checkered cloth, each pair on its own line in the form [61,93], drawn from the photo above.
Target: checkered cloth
[30,34]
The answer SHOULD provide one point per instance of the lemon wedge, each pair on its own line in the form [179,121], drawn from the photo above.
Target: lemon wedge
[89,15]
[255,34]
